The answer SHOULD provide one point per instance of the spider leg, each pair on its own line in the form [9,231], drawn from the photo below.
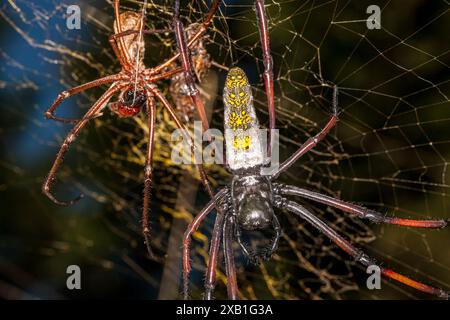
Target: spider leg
[151,117]
[192,227]
[356,253]
[244,248]
[204,26]
[193,92]
[313,141]
[49,114]
[268,67]
[164,75]
[359,211]
[230,267]
[93,111]
[219,66]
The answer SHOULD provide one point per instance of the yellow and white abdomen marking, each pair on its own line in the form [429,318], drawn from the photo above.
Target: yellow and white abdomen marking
[243,144]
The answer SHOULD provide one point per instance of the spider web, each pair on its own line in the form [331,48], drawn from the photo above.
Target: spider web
[389,150]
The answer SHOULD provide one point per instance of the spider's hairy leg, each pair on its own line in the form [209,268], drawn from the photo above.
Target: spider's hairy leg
[356,253]
[49,114]
[358,210]
[313,141]
[268,66]
[230,267]
[194,93]
[151,118]
[192,227]
[93,111]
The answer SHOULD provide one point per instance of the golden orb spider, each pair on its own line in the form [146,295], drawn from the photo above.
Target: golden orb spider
[137,90]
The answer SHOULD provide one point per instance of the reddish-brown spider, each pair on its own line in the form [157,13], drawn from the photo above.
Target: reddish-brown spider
[137,89]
